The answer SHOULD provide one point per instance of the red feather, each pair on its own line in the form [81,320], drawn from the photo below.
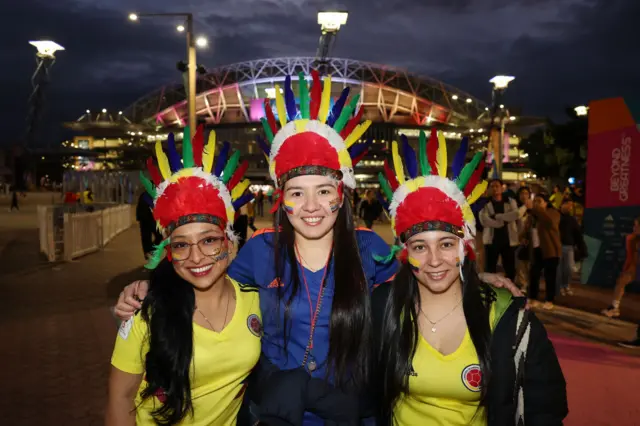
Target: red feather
[351,124]
[359,158]
[237,176]
[153,172]
[197,145]
[432,151]
[316,95]
[391,177]
[475,178]
[271,119]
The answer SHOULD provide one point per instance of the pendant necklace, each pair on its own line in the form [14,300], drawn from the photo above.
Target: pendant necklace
[209,322]
[434,323]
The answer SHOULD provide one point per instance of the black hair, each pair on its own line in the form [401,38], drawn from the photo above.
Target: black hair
[168,310]
[544,196]
[522,189]
[399,334]
[350,323]
[496,180]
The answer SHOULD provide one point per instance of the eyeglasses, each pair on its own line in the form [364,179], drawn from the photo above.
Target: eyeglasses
[208,246]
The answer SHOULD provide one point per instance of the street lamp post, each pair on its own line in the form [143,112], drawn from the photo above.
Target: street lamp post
[191,57]
[330,23]
[500,84]
[581,110]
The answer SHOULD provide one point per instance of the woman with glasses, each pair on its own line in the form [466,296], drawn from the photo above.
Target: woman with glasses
[184,357]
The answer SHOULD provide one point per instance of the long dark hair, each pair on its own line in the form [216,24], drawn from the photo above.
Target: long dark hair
[350,324]
[399,334]
[168,310]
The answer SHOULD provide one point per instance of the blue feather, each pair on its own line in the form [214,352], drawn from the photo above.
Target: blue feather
[459,159]
[357,149]
[495,170]
[289,99]
[242,201]
[221,161]
[409,157]
[172,153]
[337,107]
[147,199]
[264,146]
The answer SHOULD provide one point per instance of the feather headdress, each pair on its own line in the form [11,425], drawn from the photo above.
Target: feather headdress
[428,200]
[191,190]
[315,139]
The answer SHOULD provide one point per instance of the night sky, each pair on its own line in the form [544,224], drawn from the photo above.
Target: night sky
[562,52]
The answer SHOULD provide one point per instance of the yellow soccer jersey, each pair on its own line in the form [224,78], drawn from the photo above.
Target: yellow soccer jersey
[221,363]
[445,389]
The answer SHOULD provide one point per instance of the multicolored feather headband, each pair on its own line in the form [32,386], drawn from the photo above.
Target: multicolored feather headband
[194,188]
[315,139]
[425,199]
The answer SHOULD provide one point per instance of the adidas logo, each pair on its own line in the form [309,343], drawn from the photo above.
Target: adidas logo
[275,284]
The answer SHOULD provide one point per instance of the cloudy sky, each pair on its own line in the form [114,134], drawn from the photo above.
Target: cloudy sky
[562,52]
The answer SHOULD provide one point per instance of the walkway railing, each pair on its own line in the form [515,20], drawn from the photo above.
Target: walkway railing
[67,233]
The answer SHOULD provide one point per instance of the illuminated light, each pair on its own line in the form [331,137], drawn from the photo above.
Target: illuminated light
[331,21]
[501,106]
[104,110]
[581,110]
[454,97]
[180,28]
[271,92]
[119,112]
[480,130]
[46,48]
[42,158]
[471,130]
[501,81]
[133,17]
[469,100]
[140,133]
[486,108]
[512,118]
[202,41]
[572,181]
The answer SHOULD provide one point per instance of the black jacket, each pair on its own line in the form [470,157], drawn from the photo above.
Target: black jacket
[545,397]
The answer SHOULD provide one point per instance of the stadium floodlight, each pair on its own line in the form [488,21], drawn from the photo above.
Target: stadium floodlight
[581,110]
[202,41]
[501,81]
[332,21]
[133,17]
[46,48]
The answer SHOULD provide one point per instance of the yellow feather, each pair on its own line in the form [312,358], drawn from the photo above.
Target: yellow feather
[325,101]
[183,173]
[441,155]
[344,158]
[163,161]
[357,133]
[397,162]
[467,213]
[477,192]
[282,112]
[239,189]
[301,125]
[209,152]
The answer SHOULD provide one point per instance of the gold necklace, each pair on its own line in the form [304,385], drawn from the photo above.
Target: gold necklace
[225,316]
[434,323]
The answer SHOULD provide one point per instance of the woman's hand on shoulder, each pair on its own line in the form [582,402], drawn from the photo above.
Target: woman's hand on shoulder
[130,299]
[500,281]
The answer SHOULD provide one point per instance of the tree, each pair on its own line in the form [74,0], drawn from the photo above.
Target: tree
[559,150]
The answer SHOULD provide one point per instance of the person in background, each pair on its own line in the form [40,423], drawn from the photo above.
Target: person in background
[629,270]
[556,197]
[356,200]
[500,217]
[370,209]
[544,224]
[573,246]
[251,215]
[14,201]
[476,208]
[149,235]
[240,226]
[87,199]
[260,203]
[523,253]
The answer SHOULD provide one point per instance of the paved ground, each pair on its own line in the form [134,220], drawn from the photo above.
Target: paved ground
[58,334]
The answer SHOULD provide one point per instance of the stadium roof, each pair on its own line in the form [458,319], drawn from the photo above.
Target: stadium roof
[389,94]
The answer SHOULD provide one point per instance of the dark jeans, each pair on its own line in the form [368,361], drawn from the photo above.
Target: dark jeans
[252,224]
[508,254]
[550,267]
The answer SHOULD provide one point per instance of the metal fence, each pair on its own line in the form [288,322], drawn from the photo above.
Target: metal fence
[68,231]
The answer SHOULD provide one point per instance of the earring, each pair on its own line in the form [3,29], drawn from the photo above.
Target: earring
[457,261]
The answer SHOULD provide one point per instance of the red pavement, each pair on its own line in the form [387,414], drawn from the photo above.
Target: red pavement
[57,335]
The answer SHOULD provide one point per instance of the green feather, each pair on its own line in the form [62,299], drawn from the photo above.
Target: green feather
[467,171]
[388,258]
[187,149]
[425,168]
[346,113]
[148,185]
[386,188]
[304,96]
[156,256]
[231,166]
[267,129]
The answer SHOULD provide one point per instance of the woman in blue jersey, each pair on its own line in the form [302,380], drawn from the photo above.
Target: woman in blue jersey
[314,270]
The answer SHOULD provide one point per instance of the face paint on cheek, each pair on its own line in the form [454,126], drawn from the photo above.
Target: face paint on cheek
[334,205]
[288,206]
[221,254]
[413,264]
